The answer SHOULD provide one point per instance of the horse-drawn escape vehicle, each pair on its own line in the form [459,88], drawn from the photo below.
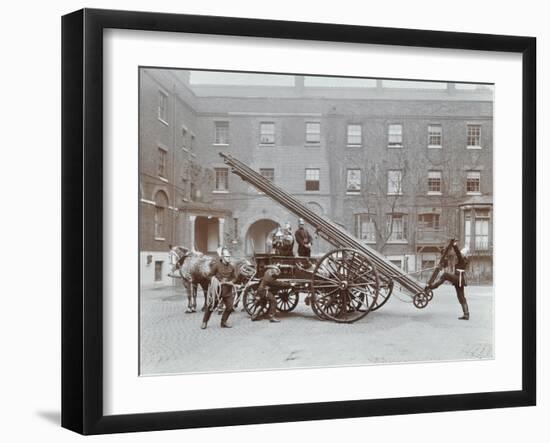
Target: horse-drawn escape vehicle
[343,285]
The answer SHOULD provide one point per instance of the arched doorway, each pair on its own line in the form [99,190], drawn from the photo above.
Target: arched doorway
[207,234]
[258,236]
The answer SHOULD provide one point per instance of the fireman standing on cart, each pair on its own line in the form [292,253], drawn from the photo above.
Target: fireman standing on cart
[458,279]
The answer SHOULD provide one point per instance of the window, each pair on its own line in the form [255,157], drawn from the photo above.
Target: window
[162,162]
[428,221]
[192,143]
[365,228]
[158,270]
[467,230]
[235,228]
[312,179]
[472,182]
[482,234]
[434,182]
[313,133]
[354,135]
[395,136]
[267,133]
[474,136]
[221,135]
[163,107]
[159,223]
[482,230]
[222,179]
[396,226]
[435,133]
[395,182]
[353,185]
[268,173]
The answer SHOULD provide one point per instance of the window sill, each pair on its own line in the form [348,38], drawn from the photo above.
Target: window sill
[160,239]
[395,147]
[221,145]
[354,146]
[220,192]
[369,242]
[474,147]
[266,145]
[309,190]
[434,193]
[397,242]
[473,193]
[435,147]
[313,145]
[394,194]
[353,192]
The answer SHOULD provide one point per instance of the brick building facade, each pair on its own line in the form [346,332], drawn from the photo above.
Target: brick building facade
[402,168]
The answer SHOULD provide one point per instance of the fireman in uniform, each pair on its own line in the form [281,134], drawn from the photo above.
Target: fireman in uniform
[304,239]
[226,274]
[458,279]
[268,284]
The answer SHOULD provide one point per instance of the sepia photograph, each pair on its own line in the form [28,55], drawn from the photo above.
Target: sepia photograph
[295,221]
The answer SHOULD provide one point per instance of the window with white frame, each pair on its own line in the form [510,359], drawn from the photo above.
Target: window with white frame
[353,181]
[159,222]
[312,179]
[163,107]
[467,230]
[354,137]
[434,182]
[365,227]
[435,136]
[313,132]
[162,155]
[396,227]
[222,179]
[474,136]
[395,182]
[428,221]
[158,270]
[268,173]
[481,241]
[395,136]
[221,133]
[267,133]
[473,179]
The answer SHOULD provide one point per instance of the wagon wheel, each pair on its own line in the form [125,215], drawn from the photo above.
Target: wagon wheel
[255,304]
[344,286]
[386,289]
[420,300]
[287,299]
[429,293]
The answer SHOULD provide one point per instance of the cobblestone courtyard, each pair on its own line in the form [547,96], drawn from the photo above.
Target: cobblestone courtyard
[171,341]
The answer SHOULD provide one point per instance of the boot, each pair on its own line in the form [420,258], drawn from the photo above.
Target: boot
[203,325]
[274,320]
[466,313]
[225,316]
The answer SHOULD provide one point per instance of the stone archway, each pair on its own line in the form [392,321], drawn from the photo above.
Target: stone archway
[258,236]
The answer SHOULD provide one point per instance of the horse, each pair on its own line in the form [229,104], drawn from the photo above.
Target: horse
[195,269]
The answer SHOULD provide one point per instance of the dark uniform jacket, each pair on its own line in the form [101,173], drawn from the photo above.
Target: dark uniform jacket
[461,266]
[224,272]
[303,237]
[269,281]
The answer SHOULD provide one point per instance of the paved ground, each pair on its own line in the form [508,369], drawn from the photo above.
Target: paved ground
[172,341]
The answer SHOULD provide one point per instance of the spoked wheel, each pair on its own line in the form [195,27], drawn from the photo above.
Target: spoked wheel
[255,304]
[287,299]
[386,289]
[420,300]
[344,286]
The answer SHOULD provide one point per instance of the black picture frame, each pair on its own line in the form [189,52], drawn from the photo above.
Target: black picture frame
[82,218]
